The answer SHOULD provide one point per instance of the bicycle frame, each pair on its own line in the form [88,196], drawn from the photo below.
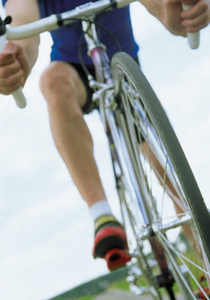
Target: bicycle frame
[105,99]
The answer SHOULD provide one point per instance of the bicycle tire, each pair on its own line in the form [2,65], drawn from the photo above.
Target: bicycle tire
[125,70]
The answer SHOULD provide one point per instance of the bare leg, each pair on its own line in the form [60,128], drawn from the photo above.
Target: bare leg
[65,94]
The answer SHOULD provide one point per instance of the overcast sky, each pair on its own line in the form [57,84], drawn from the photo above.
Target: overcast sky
[46,234]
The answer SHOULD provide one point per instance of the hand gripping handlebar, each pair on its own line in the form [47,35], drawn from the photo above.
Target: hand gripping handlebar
[18,94]
[193,38]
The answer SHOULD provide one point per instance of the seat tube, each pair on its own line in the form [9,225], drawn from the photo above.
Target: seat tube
[97,52]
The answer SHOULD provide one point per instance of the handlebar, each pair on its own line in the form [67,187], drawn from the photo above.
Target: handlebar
[18,94]
[55,21]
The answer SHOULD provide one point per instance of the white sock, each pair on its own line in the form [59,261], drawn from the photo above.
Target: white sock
[99,209]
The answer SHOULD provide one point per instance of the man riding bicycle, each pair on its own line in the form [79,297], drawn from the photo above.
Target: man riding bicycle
[68,96]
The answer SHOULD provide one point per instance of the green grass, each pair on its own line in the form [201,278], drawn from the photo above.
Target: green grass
[87,298]
[119,285]
[122,285]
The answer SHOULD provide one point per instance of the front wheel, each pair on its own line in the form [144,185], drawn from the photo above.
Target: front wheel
[171,205]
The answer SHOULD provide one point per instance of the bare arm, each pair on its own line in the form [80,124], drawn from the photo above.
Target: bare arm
[19,57]
[177,21]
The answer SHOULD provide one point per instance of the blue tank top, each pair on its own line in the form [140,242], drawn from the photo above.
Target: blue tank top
[66,39]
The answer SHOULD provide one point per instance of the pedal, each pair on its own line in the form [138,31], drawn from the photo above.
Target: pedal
[117,258]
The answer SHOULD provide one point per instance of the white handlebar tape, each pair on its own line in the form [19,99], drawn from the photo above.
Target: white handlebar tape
[19,98]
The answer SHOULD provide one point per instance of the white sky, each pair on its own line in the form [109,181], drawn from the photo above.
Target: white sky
[46,234]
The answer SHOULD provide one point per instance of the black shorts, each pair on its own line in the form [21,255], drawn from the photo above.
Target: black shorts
[89,105]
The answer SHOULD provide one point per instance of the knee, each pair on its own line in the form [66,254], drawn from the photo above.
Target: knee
[60,82]
[53,80]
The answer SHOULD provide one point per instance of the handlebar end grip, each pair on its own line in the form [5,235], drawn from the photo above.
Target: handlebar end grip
[19,98]
[194,39]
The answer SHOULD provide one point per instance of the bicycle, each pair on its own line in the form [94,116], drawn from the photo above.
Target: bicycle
[151,171]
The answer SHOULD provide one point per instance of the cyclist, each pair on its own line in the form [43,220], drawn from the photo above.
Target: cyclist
[68,96]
